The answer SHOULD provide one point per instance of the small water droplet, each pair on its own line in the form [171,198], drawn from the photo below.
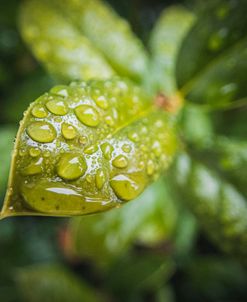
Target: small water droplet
[109,121]
[134,136]
[89,178]
[100,179]
[150,167]
[90,150]
[141,165]
[120,162]
[156,147]
[46,153]
[41,132]
[83,140]
[107,150]
[22,152]
[39,111]
[68,131]
[126,148]
[102,102]
[34,152]
[127,187]
[71,166]
[34,167]
[57,107]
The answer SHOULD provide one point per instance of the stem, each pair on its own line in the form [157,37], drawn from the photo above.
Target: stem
[171,104]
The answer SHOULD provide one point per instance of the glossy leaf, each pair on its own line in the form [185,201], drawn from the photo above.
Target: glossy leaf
[53,284]
[219,207]
[100,143]
[211,65]
[59,45]
[108,32]
[150,220]
[165,42]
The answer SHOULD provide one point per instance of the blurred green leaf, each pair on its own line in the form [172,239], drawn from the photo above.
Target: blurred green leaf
[218,206]
[7,136]
[150,220]
[133,273]
[211,65]
[52,283]
[109,33]
[166,38]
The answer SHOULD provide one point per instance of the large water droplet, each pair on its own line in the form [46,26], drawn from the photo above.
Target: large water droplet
[41,132]
[107,150]
[57,107]
[127,187]
[91,150]
[71,166]
[68,131]
[100,179]
[120,162]
[87,115]
[39,111]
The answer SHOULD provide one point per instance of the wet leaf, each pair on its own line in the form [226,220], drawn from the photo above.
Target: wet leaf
[166,39]
[100,143]
[53,284]
[218,206]
[109,33]
[211,65]
[59,45]
[103,238]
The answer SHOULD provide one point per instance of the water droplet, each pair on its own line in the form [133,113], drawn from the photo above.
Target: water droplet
[109,121]
[120,162]
[141,165]
[134,136]
[41,132]
[150,167]
[39,111]
[89,178]
[22,152]
[34,167]
[83,140]
[71,166]
[87,115]
[90,150]
[102,102]
[34,152]
[46,153]
[156,147]
[60,90]
[57,107]
[107,150]
[100,179]
[126,148]
[127,187]
[68,131]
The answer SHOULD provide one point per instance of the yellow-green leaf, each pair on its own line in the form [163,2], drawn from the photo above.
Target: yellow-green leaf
[86,148]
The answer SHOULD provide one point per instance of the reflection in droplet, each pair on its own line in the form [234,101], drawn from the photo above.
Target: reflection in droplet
[41,132]
[87,115]
[71,166]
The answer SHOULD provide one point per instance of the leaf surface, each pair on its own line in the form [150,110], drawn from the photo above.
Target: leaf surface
[87,147]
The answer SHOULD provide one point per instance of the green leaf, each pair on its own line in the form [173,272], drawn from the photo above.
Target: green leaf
[7,135]
[53,284]
[219,207]
[109,33]
[134,273]
[211,65]
[59,45]
[150,220]
[100,142]
[232,160]
[165,41]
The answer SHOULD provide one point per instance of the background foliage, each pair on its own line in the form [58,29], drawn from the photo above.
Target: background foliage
[159,251]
